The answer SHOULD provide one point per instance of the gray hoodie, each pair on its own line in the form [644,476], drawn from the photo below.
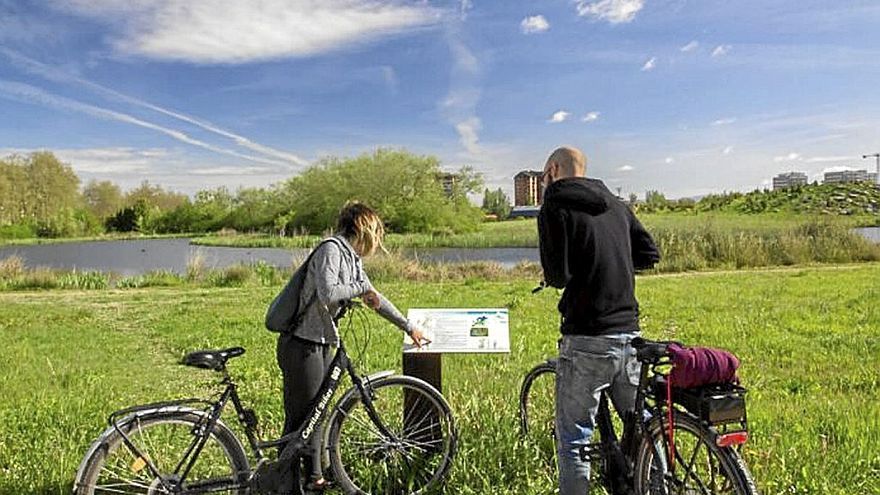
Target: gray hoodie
[336,275]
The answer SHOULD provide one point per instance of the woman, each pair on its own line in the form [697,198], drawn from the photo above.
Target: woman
[335,275]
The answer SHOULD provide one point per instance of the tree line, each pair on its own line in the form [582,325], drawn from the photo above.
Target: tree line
[40,196]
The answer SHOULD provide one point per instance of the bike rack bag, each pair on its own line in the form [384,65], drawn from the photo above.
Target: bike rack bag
[714,404]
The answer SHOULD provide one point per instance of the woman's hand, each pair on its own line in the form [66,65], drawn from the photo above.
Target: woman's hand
[419,338]
[371,299]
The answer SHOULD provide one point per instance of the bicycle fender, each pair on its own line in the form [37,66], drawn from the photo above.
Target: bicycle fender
[105,435]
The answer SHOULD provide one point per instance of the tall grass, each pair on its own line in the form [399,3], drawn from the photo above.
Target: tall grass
[707,246]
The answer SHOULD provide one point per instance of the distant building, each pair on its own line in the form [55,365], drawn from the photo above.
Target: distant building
[447,180]
[524,212]
[527,188]
[789,179]
[843,176]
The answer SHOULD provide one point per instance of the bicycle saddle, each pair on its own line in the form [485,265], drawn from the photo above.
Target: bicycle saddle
[212,359]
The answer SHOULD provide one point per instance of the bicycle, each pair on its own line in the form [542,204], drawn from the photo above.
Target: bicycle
[388,434]
[699,454]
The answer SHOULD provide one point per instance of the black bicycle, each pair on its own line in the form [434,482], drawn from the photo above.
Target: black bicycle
[388,434]
[688,446]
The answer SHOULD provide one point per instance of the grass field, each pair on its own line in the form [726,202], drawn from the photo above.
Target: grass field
[809,340]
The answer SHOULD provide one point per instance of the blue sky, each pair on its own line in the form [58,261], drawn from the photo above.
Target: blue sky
[683,96]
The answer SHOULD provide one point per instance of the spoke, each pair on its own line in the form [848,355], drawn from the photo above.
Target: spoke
[121,477]
[150,445]
[690,465]
[425,429]
[368,425]
[702,486]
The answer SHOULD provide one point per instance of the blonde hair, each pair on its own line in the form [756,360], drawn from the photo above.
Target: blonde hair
[362,226]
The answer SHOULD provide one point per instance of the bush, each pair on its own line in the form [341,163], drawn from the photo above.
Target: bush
[17,232]
[404,189]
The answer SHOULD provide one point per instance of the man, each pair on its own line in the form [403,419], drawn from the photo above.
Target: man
[591,244]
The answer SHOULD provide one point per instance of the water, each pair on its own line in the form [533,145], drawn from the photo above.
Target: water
[871,233]
[140,256]
[136,257]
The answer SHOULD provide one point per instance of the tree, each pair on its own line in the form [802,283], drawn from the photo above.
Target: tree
[154,197]
[496,202]
[129,219]
[655,201]
[401,186]
[52,187]
[102,198]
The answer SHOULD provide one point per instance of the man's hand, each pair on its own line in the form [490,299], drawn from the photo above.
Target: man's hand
[371,299]
[419,338]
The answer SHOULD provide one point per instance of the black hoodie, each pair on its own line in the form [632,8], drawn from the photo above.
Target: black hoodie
[591,244]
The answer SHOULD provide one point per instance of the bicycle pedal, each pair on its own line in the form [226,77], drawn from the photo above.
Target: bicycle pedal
[592,452]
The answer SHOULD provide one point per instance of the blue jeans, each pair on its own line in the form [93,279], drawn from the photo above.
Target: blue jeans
[588,365]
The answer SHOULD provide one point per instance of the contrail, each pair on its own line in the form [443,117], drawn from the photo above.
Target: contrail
[57,75]
[31,94]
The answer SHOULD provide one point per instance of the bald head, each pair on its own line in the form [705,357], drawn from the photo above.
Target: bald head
[564,162]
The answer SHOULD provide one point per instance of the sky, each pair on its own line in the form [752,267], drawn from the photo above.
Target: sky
[687,97]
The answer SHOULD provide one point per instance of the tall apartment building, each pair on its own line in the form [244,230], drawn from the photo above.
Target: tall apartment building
[527,188]
[789,179]
[447,180]
[849,176]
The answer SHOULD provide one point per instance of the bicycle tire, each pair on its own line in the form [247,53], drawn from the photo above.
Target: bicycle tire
[525,393]
[690,434]
[380,465]
[152,432]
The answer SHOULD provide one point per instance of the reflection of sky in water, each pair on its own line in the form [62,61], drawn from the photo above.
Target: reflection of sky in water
[140,256]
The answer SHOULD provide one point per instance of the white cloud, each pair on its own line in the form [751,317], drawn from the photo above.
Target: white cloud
[650,64]
[823,159]
[839,168]
[230,171]
[534,24]
[30,94]
[613,11]
[459,106]
[389,75]
[625,168]
[720,50]
[468,134]
[791,157]
[57,75]
[727,150]
[559,116]
[724,121]
[668,160]
[235,31]
[464,6]
[590,117]
[693,45]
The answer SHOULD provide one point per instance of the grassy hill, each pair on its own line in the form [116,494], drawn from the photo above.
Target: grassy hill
[830,199]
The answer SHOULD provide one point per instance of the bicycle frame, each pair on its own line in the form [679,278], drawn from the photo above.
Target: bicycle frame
[292,444]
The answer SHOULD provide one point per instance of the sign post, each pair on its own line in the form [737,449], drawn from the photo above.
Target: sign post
[451,331]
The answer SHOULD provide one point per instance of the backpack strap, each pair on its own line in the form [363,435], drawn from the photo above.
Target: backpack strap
[311,301]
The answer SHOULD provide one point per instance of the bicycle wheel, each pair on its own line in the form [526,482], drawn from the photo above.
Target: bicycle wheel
[414,460]
[537,409]
[701,467]
[165,439]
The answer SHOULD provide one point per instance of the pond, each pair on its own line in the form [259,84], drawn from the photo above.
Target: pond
[139,256]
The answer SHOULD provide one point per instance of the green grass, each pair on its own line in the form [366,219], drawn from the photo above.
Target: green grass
[808,339]
[113,236]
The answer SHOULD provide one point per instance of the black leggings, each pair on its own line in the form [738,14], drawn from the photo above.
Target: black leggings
[303,365]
